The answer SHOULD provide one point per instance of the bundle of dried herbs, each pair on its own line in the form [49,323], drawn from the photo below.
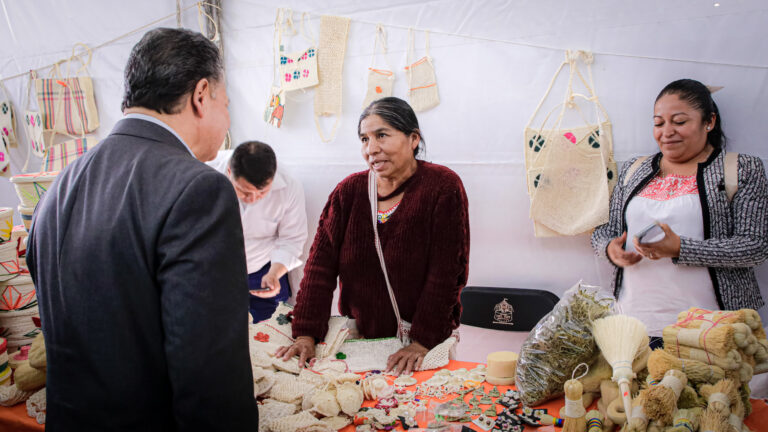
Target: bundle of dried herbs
[559,342]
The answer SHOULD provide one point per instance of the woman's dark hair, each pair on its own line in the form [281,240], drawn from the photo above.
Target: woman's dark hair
[396,113]
[165,66]
[255,162]
[698,96]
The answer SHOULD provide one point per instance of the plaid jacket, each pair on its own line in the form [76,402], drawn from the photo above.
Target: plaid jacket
[735,234]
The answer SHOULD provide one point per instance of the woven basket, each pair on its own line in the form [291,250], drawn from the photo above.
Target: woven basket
[31,187]
[17,294]
[20,326]
[6,223]
[9,261]
[26,216]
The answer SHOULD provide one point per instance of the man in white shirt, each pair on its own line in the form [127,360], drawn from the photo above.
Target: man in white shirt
[274,221]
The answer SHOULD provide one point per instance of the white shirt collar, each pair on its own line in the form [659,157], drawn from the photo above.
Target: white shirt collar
[161,123]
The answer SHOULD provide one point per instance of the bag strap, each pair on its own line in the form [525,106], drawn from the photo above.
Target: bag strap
[632,168]
[374,200]
[731,174]
[381,39]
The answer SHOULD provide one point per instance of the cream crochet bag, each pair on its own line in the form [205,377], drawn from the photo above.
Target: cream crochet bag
[297,70]
[36,406]
[380,81]
[422,84]
[293,423]
[330,62]
[570,171]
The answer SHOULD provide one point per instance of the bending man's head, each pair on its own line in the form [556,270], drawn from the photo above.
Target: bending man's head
[251,169]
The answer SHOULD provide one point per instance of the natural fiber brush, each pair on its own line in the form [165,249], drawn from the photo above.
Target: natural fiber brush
[574,420]
[750,317]
[662,399]
[638,421]
[594,421]
[716,340]
[686,420]
[720,396]
[711,421]
[661,361]
[736,418]
[689,398]
[620,337]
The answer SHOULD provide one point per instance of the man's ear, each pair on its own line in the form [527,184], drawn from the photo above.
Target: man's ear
[200,95]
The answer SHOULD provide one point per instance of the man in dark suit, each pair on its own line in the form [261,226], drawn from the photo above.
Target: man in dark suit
[137,255]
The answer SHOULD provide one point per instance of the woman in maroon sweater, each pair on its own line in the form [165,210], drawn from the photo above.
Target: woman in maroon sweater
[424,232]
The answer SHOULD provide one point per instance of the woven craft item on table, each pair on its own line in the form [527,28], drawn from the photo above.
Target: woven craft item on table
[334,338]
[372,354]
[10,395]
[6,224]
[32,187]
[273,333]
[289,389]
[36,406]
[330,62]
[293,422]
[17,293]
[20,327]
[271,410]
[570,171]
[337,422]
[422,83]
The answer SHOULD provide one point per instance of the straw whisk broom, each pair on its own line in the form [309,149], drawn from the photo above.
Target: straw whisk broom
[619,338]
[661,402]
[638,421]
[711,421]
[686,420]
[717,340]
[661,361]
[736,418]
[732,360]
[720,396]
[750,317]
[594,421]
[573,420]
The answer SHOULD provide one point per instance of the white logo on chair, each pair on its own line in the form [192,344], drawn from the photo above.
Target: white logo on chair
[502,313]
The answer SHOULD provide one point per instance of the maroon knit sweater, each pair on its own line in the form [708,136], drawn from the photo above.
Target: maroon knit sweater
[426,249]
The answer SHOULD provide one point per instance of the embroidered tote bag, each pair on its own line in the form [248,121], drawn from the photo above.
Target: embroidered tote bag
[7,118]
[422,84]
[298,70]
[570,171]
[33,126]
[67,102]
[380,81]
[330,64]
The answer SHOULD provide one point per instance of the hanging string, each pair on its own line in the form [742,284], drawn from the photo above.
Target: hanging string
[113,40]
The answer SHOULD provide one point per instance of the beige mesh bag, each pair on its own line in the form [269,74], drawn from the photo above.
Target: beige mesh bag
[422,84]
[330,63]
[294,422]
[380,81]
[570,170]
[272,410]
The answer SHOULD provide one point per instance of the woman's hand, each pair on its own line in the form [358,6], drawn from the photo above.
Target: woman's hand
[668,247]
[407,360]
[303,346]
[618,255]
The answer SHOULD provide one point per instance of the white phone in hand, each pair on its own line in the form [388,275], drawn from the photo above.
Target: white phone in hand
[650,233]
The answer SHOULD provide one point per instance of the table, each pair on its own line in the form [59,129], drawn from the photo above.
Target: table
[16,419]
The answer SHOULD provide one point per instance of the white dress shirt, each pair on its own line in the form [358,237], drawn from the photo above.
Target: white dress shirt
[275,227]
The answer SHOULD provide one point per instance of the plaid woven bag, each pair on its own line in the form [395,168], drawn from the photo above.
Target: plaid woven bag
[67,102]
[60,155]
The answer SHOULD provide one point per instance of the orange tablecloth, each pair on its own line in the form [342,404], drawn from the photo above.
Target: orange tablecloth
[15,418]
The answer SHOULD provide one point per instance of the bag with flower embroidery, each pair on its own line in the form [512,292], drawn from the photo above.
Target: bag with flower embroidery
[380,81]
[297,70]
[7,119]
[570,170]
[33,126]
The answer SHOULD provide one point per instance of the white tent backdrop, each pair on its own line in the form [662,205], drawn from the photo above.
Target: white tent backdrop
[493,61]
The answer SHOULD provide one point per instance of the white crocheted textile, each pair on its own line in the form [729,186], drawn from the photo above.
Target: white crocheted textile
[324,402]
[293,423]
[334,338]
[438,356]
[369,354]
[350,397]
[289,388]
[10,395]
[36,406]
[271,409]
[322,427]
[337,422]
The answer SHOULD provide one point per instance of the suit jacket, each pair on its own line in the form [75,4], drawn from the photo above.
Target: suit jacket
[137,255]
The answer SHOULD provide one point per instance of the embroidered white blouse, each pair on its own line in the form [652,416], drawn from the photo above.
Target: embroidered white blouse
[656,291]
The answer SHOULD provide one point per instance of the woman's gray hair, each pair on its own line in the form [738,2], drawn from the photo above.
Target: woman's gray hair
[398,114]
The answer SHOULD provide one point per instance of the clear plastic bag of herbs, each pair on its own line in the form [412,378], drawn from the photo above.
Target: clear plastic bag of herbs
[559,342]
